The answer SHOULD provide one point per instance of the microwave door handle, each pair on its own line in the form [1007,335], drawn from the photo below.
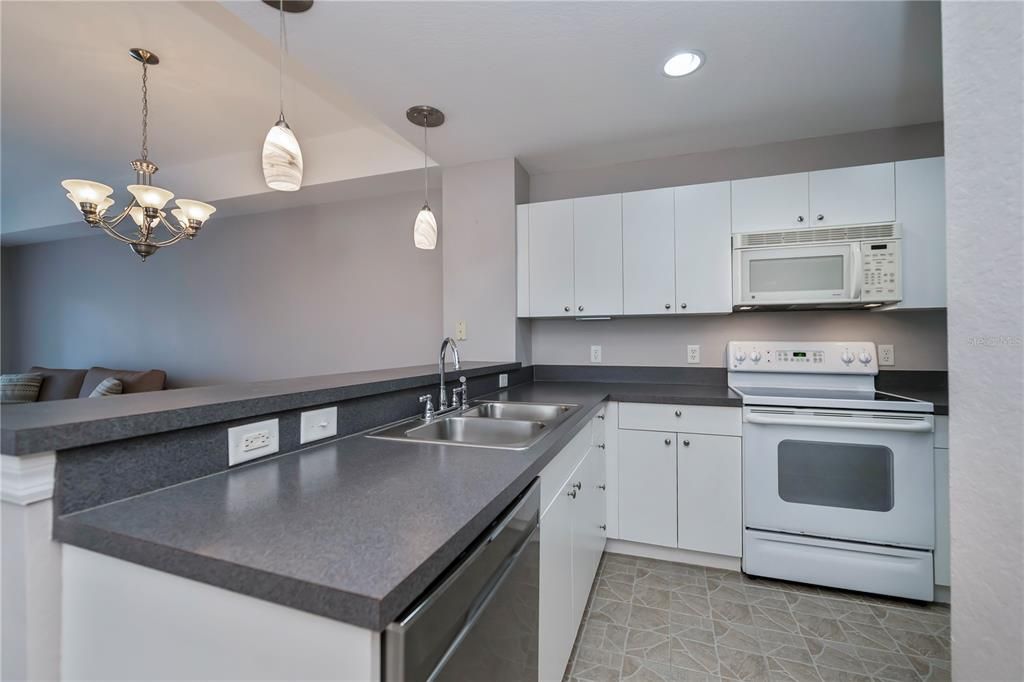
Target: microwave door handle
[776,420]
[856,271]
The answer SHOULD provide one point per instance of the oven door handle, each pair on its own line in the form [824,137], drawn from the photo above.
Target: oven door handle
[924,426]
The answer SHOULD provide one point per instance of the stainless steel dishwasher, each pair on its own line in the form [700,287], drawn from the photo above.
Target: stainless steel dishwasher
[480,620]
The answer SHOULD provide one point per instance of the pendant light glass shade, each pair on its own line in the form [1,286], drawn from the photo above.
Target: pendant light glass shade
[149,196]
[424,230]
[282,159]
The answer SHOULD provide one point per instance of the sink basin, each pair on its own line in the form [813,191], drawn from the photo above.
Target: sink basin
[530,411]
[490,424]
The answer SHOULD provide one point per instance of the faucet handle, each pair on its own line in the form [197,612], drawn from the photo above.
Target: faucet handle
[428,411]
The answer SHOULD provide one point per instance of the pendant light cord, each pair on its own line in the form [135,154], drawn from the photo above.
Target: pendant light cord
[282,47]
[145,111]
[425,193]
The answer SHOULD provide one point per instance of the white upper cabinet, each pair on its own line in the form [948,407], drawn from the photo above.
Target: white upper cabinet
[597,255]
[853,196]
[551,259]
[775,202]
[703,248]
[523,260]
[921,209]
[648,252]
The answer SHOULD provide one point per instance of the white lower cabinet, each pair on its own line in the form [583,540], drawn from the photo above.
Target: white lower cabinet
[572,538]
[710,494]
[647,486]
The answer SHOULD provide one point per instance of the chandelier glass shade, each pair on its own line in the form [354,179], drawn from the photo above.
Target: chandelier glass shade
[146,207]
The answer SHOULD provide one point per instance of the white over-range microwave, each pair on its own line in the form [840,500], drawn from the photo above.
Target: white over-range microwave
[836,267]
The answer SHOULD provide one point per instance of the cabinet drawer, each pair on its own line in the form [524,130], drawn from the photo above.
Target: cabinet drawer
[723,421]
[561,467]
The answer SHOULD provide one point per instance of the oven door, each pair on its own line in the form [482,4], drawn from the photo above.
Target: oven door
[797,275]
[846,475]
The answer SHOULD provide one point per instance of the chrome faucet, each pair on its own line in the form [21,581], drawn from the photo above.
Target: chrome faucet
[448,341]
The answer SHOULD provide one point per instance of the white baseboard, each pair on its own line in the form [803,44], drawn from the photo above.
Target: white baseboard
[680,556]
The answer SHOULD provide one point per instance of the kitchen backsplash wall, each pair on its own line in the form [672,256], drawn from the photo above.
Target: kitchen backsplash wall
[919,337]
[314,290]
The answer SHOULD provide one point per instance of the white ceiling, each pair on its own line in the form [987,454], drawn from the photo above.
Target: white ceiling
[559,85]
[568,84]
[71,108]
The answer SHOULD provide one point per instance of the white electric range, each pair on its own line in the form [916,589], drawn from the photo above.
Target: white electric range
[838,478]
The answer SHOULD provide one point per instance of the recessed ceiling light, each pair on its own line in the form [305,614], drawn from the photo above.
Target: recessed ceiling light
[684,63]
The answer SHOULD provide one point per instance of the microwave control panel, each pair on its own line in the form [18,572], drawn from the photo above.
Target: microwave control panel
[881,272]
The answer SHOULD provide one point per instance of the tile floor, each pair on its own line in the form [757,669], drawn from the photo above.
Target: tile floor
[655,620]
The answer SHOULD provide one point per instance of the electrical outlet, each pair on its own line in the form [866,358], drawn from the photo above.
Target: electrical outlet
[502,381]
[317,424]
[886,354]
[251,441]
[460,330]
[595,353]
[693,354]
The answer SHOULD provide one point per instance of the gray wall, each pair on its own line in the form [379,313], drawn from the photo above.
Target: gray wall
[313,290]
[814,153]
[480,257]
[919,336]
[983,72]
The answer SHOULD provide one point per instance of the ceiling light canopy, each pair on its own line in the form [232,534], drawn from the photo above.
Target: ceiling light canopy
[684,63]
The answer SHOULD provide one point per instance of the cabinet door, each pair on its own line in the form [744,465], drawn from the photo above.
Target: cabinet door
[703,248]
[942,516]
[588,533]
[775,202]
[921,210]
[597,255]
[648,252]
[557,629]
[647,487]
[710,487]
[853,196]
[550,250]
[523,260]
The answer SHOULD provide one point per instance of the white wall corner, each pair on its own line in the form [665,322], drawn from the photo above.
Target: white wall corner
[27,479]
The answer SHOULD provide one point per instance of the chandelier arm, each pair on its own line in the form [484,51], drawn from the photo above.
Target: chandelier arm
[109,229]
[176,231]
[167,242]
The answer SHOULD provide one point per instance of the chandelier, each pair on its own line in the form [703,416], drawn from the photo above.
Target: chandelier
[146,207]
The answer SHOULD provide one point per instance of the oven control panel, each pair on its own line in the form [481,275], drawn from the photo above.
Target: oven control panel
[818,357]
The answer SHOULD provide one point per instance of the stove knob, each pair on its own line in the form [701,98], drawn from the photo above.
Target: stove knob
[846,357]
[755,355]
[865,358]
[739,356]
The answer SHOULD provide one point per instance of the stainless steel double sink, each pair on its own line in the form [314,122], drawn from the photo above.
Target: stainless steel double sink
[487,424]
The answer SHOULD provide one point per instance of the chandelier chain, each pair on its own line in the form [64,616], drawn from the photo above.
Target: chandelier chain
[145,111]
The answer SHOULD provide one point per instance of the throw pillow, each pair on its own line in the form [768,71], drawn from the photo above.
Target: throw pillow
[109,386]
[20,388]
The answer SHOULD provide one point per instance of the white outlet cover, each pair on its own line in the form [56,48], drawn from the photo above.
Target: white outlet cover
[460,330]
[318,424]
[886,355]
[693,354]
[595,353]
[236,455]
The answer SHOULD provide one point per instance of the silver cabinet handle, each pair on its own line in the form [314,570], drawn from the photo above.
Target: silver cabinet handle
[602,487]
[566,308]
[601,446]
[682,305]
[686,443]
[668,306]
[679,413]
[580,309]
[603,527]
[600,416]
[799,218]
[572,494]
[821,216]
[668,441]
[578,485]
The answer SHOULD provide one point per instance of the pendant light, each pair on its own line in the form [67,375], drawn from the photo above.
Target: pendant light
[282,157]
[424,230]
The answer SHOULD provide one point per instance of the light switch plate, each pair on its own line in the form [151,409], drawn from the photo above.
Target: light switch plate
[693,355]
[318,424]
[251,441]
[595,353]
[460,330]
[502,381]
[886,354]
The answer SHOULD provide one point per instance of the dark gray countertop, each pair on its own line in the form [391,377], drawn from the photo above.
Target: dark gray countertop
[355,529]
[62,424]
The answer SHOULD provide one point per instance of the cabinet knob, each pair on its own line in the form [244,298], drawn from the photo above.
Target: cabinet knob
[601,446]
[577,485]
[603,527]
[566,308]
[686,443]
[679,413]
[668,306]
[821,216]
[682,305]
[600,416]
[668,441]
[572,494]
[799,218]
[580,309]
[602,487]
